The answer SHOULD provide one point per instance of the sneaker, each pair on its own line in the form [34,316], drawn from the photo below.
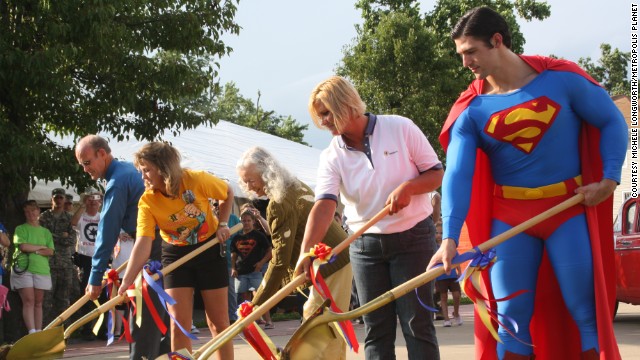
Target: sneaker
[457,321]
[194,329]
[446,323]
[269,326]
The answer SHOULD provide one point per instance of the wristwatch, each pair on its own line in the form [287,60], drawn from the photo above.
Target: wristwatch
[223,223]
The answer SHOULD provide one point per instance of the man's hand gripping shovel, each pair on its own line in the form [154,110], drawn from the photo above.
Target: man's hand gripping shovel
[52,344]
[327,316]
[48,340]
[206,350]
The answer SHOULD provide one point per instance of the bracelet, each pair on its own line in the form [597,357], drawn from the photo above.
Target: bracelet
[223,224]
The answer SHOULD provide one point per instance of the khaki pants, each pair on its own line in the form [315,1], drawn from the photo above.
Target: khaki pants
[323,342]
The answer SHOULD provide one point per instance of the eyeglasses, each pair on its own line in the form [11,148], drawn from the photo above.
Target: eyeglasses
[88,162]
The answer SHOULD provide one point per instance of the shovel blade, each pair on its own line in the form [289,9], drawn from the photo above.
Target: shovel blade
[46,344]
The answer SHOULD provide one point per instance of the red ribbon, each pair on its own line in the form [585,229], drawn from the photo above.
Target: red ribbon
[112,280]
[322,252]
[252,335]
[126,330]
[152,309]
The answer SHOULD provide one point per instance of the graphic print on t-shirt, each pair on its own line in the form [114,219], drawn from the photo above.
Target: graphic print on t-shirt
[90,231]
[189,223]
[246,246]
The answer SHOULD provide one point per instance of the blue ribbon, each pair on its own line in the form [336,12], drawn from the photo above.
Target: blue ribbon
[154,267]
[478,259]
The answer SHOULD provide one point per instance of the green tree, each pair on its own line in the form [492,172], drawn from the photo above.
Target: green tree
[233,107]
[611,70]
[405,63]
[74,67]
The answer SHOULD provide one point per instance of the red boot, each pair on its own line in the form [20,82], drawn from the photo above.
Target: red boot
[591,354]
[511,356]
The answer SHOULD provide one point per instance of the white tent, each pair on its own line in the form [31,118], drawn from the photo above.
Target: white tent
[216,149]
[42,192]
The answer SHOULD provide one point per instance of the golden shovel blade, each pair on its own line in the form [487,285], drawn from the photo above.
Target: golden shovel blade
[46,344]
[310,338]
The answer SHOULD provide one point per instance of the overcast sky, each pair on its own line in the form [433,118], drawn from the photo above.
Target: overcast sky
[286,47]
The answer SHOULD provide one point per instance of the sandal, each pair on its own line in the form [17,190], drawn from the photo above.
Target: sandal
[260,322]
[269,326]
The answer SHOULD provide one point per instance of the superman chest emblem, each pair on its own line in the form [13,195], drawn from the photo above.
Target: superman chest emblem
[523,125]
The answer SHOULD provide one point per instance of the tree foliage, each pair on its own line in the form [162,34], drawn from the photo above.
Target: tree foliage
[233,107]
[404,62]
[611,70]
[74,67]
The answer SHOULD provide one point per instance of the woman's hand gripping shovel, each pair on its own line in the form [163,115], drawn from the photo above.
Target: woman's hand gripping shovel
[52,346]
[48,340]
[327,316]
[206,350]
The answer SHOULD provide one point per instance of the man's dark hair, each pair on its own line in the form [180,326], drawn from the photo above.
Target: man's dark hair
[482,23]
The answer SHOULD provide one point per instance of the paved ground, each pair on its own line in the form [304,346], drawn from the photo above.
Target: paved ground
[455,342]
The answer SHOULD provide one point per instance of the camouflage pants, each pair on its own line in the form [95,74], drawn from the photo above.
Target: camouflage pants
[57,300]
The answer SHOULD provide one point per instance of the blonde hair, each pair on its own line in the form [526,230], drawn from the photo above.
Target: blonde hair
[164,157]
[340,97]
[275,176]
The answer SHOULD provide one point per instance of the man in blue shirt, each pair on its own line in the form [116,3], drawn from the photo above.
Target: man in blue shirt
[119,211]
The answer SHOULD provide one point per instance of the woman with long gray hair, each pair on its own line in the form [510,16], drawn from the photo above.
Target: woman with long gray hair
[290,202]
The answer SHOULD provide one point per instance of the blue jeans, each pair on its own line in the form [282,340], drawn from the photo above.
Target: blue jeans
[381,262]
[232,299]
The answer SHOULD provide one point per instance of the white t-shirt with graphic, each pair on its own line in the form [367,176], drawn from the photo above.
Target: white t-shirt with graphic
[87,230]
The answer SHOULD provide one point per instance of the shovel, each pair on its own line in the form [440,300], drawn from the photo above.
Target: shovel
[52,345]
[327,316]
[78,304]
[206,350]
[46,340]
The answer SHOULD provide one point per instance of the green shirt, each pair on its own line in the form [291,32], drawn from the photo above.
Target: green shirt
[34,235]
[287,221]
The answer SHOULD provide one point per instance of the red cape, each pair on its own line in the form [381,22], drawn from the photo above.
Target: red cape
[554,332]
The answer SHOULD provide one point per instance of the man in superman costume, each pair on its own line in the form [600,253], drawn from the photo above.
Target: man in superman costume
[528,134]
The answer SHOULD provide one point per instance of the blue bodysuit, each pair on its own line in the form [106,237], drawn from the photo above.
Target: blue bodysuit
[531,138]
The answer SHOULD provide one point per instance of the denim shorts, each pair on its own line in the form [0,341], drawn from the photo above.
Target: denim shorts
[244,283]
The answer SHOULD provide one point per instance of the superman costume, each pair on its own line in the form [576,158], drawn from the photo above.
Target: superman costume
[539,143]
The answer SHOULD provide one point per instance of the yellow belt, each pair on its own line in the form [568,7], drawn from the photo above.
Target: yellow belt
[542,192]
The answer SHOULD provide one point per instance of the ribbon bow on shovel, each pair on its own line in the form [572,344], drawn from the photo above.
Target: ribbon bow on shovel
[206,350]
[53,345]
[47,342]
[393,294]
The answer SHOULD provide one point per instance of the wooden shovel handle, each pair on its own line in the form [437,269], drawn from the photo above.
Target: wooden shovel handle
[78,304]
[122,298]
[346,242]
[233,330]
[229,333]
[433,273]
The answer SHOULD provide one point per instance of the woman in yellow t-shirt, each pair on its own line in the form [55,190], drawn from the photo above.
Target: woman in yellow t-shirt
[176,200]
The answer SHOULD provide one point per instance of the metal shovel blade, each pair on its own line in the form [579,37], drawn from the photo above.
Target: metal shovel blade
[46,344]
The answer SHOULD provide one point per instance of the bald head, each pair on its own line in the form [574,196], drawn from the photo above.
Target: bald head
[94,155]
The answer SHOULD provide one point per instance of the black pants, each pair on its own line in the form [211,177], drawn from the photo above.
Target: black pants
[148,340]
